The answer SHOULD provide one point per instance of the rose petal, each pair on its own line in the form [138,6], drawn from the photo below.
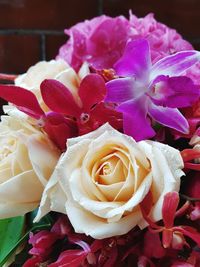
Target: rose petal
[99,229]
[168,167]
[43,156]
[135,60]
[170,117]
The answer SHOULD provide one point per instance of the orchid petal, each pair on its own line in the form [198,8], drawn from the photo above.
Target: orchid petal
[170,117]
[104,113]
[190,232]
[58,98]
[135,117]
[24,99]
[175,92]
[135,60]
[175,65]
[59,129]
[170,204]
[70,258]
[92,90]
[122,90]
[152,240]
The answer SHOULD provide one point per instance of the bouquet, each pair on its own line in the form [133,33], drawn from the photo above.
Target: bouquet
[100,151]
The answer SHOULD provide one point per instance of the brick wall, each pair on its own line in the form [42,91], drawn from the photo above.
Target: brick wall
[32,30]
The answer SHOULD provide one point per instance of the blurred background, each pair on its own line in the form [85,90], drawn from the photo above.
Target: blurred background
[32,30]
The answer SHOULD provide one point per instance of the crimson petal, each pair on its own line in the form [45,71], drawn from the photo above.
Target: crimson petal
[24,99]
[70,258]
[103,113]
[135,60]
[169,207]
[170,117]
[135,119]
[59,129]
[59,98]
[92,90]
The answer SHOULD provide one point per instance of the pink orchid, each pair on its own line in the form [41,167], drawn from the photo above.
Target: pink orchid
[146,92]
[172,236]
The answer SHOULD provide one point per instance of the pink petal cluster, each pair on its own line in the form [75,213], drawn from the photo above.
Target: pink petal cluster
[163,40]
[101,41]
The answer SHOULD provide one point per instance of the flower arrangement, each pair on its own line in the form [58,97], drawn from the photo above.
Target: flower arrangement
[100,151]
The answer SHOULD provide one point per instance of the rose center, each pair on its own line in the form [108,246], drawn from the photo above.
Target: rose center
[106,170]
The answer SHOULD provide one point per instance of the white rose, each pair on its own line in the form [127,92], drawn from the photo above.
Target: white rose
[103,177]
[27,160]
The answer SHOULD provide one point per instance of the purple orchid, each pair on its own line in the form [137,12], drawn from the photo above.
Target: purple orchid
[147,92]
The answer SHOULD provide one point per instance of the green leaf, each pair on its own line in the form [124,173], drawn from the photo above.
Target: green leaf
[10,233]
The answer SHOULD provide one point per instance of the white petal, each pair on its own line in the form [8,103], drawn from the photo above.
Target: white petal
[86,222]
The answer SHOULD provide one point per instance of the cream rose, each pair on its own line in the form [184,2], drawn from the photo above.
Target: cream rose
[103,177]
[27,160]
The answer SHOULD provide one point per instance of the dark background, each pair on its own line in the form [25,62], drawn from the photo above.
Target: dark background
[32,30]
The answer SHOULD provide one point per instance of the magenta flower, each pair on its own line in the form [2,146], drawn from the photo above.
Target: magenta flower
[101,41]
[163,41]
[147,92]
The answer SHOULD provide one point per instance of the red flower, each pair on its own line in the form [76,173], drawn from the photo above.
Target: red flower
[56,125]
[172,236]
[189,155]
[42,243]
[33,262]
[192,191]
[91,113]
